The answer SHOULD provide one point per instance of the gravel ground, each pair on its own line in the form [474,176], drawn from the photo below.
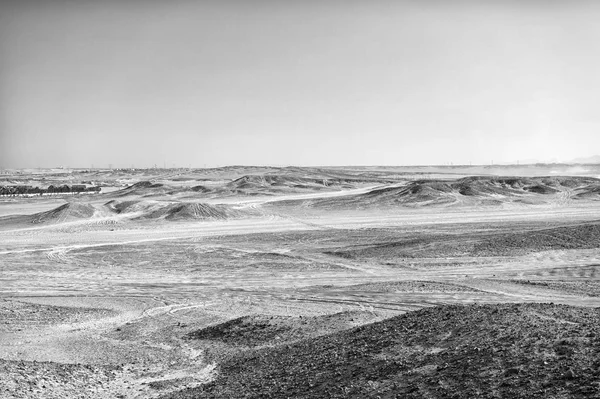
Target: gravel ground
[588,288]
[16,315]
[581,236]
[22,379]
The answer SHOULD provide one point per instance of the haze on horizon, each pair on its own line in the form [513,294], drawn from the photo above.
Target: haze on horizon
[195,83]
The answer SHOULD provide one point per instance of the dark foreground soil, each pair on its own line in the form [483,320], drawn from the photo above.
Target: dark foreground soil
[255,331]
[475,351]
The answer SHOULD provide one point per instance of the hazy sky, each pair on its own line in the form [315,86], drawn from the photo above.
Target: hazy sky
[313,82]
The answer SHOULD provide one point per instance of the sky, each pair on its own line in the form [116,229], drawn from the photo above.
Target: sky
[316,82]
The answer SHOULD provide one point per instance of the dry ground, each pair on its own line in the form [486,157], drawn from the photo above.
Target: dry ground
[122,300]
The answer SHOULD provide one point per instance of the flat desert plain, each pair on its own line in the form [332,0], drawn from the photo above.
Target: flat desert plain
[262,282]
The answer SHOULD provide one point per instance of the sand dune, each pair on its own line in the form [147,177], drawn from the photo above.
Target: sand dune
[65,213]
[590,192]
[273,184]
[246,185]
[128,210]
[200,211]
[148,209]
[477,190]
[143,189]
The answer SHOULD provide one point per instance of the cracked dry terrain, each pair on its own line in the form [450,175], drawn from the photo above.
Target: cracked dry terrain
[279,286]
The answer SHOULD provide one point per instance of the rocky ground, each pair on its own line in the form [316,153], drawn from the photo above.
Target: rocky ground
[490,351]
[24,379]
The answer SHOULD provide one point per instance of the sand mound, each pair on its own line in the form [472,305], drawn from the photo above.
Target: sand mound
[262,185]
[489,351]
[251,182]
[144,189]
[64,213]
[201,189]
[199,211]
[485,186]
[417,193]
[287,181]
[510,186]
[138,207]
[272,182]
[124,206]
[481,190]
[421,191]
[147,209]
[591,191]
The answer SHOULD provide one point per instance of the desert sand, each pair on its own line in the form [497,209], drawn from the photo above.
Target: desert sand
[303,282]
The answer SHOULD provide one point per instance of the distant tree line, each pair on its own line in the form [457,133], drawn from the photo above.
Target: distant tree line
[64,189]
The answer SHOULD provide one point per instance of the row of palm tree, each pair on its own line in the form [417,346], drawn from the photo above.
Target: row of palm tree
[25,190]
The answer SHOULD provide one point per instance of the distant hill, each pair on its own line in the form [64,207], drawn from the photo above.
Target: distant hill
[587,160]
[482,190]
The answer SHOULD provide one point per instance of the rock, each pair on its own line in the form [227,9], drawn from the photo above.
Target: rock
[569,375]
